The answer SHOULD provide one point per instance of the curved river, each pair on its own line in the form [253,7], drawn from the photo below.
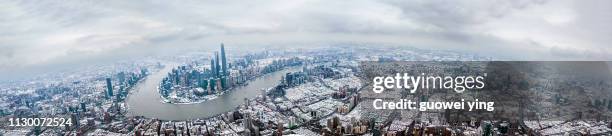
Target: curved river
[146,101]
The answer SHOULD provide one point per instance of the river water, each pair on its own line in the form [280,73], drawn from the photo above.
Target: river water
[145,100]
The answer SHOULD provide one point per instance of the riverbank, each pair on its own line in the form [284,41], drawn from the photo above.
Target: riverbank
[183,100]
[145,98]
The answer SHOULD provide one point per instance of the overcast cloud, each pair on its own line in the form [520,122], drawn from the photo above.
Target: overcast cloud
[39,34]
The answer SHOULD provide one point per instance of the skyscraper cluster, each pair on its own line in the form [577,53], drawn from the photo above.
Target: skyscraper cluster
[187,80]
[218,67]
[219,70]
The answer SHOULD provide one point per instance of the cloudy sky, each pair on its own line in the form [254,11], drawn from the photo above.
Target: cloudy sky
[40,34]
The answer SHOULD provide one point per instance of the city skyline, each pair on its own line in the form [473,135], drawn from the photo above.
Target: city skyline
[325,91]
[306,67]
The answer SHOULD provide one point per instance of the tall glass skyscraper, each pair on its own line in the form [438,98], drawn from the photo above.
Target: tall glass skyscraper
[223,61]
[217,66]
[109,88]
[212,67]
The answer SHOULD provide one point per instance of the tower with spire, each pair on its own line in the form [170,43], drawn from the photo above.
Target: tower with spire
[217,66]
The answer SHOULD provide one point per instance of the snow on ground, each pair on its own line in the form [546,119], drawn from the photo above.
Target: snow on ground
[308,90]
[351,81]
[325,107]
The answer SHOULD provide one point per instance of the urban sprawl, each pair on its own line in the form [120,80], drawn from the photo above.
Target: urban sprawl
[321,90]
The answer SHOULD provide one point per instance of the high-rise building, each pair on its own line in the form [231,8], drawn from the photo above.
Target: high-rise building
[109,88]
[212,67]
[217,66]
[223,82]
[121,77]
[223,61]
[83,107]
[75,120]
[219,86]
[212,83]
